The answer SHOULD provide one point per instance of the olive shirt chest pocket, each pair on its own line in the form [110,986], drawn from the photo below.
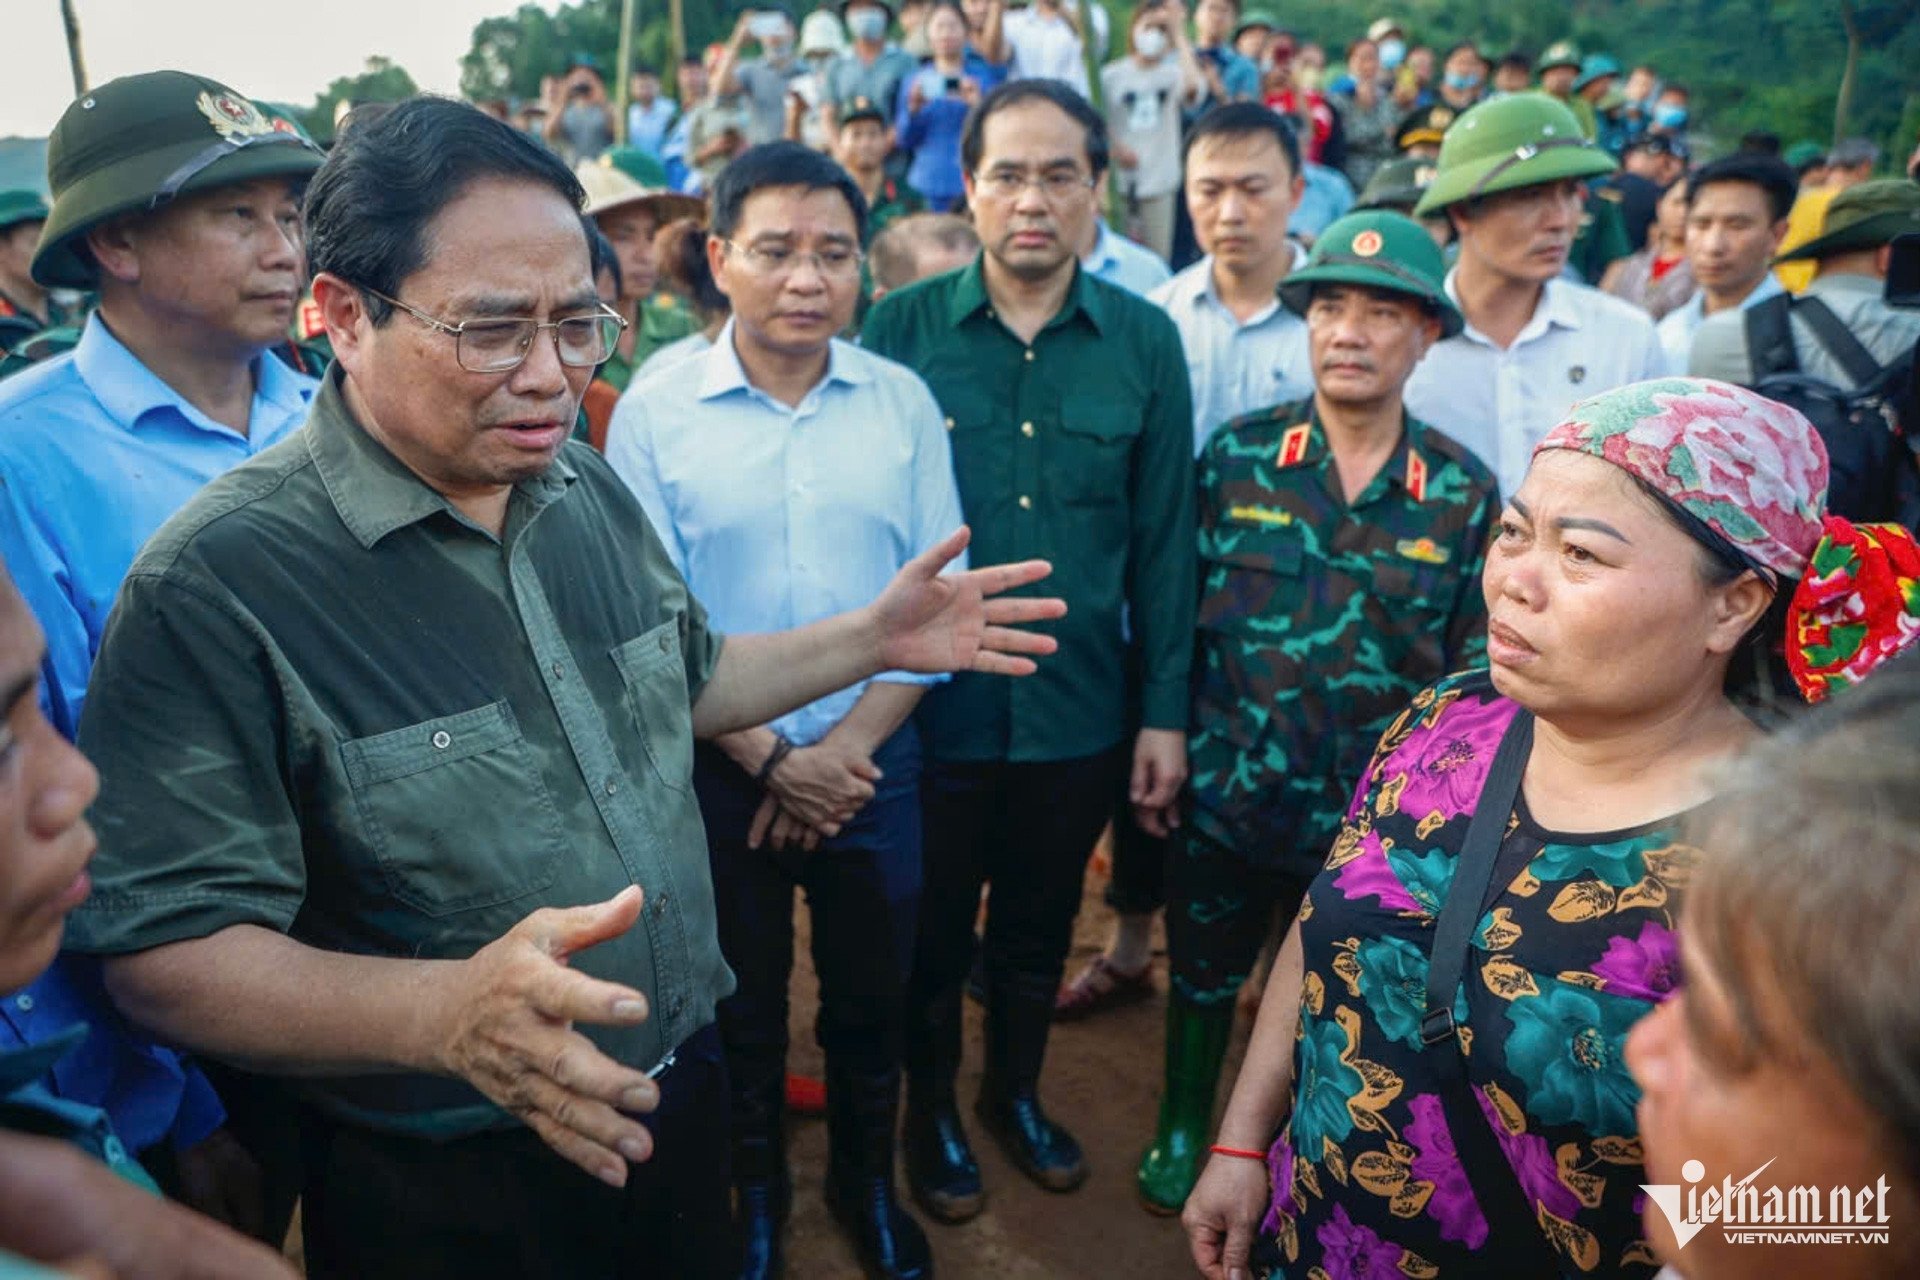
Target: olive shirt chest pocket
[455,810]
[655,679]
[1094,457]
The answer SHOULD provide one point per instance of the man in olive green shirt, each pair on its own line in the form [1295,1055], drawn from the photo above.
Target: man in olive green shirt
[378,710]
[1072,434]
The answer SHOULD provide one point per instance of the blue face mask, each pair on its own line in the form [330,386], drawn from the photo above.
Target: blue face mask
[1462,80]
[867,24]
[1669,116]
[1392,53]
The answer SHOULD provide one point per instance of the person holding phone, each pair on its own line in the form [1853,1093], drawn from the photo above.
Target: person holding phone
[933,106]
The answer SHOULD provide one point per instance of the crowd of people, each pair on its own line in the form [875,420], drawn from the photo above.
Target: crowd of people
[467,578]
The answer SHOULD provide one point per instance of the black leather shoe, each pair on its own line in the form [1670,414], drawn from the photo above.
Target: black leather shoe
[941,1171]
[890,1243]
[760,1217]
[1036,1145]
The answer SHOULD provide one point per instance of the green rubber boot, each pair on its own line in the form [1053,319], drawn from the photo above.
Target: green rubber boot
[1196,1044]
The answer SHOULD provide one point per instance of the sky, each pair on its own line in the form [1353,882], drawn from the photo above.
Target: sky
[269,49]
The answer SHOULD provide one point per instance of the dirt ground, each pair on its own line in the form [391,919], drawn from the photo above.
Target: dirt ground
[1102,1082]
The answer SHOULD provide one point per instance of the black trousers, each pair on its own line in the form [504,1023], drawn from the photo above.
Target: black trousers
[1220,909]
[1138,885]
[1026,829]
[863,891]
[502,1204]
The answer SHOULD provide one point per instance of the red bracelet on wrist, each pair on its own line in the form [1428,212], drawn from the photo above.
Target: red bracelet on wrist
[1241,1152]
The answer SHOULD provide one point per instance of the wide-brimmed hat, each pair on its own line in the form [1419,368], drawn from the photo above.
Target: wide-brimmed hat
[1596,66]
[1522,140]
[1379,28]
[1561,53]
[139,141]
[609,187]
[1376,249]
[1397,185]
[1255,18]
[1864,216]
[823,32]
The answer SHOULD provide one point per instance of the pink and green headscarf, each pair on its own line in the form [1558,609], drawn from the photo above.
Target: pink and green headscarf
[1754,472]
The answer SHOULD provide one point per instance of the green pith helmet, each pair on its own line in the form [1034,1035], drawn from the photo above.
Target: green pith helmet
[1561,53]
[1398,185]
[136,143]
[862,108]
[1864,216]
[20,205]
[1595,66]
[637,164]
[1521,140]
[1377,249]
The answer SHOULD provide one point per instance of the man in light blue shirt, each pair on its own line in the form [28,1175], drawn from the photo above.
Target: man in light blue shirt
[1737,211]
[649,115]
[1117,260]
[175,200]
[790,476]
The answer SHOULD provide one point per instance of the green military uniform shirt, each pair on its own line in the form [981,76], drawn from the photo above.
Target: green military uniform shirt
[894,200]
[1320,619]
[1602,237]
[1077,449]
[329,704]
[664,318]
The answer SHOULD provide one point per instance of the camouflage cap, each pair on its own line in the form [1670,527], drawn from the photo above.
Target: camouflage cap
[137,142]
[1377,249]
[1398,185]
[1522,140]
[1561,53]
[21,205]
[1864,216]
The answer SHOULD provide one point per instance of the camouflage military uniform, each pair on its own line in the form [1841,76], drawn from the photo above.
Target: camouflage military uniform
[1318,621]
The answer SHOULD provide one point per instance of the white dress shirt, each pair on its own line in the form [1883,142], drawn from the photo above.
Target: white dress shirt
[1044,47]
[1236,366]
[1678,327]
[776,516]
[1500,403]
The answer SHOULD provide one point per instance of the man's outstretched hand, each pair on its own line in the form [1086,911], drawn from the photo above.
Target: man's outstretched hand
[930,623]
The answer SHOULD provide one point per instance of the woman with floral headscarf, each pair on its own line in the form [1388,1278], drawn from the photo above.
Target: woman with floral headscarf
[1664,532]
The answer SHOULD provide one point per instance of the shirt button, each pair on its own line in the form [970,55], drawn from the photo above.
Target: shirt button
[610,786]
[24,1003]
[1026,503]
[674,1006]
[559,671]
[660,905]
[1029,355]
[443,740]
[114,1152]
[666,644]
[949,424]
[1026,429]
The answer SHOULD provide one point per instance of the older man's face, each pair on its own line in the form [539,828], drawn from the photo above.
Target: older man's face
[502,249]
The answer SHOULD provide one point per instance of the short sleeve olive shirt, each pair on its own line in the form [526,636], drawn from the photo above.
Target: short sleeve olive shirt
[328,704]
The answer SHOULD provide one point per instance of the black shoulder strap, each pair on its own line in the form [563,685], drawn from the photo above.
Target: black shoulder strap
[1513,1228]
[1838,340]
[1770,337]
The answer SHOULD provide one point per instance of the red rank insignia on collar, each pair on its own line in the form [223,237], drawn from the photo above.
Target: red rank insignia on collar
[1416,476]
[1293,445]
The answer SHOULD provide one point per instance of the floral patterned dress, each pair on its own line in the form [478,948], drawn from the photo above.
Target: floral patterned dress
[1575,948]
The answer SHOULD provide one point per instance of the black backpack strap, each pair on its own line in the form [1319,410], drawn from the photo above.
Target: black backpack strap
[1513,1228]
[1770,338]
[1838,341]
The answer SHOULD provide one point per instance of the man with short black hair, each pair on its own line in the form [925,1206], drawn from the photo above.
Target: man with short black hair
[380,710]
[1072,430]
[25,305]
[1736,217]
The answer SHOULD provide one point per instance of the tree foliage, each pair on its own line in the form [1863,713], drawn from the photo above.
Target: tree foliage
[382,81]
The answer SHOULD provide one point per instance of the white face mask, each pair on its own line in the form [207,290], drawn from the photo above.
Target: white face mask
[1150,42]
[1392,52]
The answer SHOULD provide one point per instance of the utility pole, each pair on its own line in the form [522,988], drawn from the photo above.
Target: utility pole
[624,69]
[677,23]
[76,61]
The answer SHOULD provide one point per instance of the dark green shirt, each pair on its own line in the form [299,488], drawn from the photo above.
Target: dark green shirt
[1320,619]
[1077,449]
[329,704]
